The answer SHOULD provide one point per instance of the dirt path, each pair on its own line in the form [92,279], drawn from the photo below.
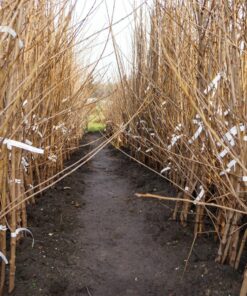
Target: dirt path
[95,238]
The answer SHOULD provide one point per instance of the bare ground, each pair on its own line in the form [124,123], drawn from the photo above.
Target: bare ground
[97,239]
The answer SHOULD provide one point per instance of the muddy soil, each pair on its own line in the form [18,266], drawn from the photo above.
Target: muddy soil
[94,237]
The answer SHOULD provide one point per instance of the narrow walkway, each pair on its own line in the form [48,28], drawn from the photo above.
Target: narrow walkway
[94,237]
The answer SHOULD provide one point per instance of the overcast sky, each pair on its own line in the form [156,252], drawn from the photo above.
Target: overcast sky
[98,20]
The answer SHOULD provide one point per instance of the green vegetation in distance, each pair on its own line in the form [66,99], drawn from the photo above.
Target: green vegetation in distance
[94,127]
[96,122]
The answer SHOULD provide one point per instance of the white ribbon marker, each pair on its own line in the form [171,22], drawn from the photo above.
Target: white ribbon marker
[52,158]
[241,47]
[214,83]
[227,112]
[200,195]
[203,147]
[16,181]
[9,30]
[149,150]
[197,133]
[13,143]
[147,89]
[3,228]
[21,229]
[229,136]
[4,258]
[142,121]
[174,140]
[24,103]
[223,153]
[24,163]
[231,164]
[233,132]
[165,170]
[178,127]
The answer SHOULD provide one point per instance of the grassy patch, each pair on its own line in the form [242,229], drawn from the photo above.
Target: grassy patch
[93,127]
[96,121]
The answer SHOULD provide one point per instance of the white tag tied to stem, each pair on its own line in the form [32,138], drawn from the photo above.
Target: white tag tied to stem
[244,178]
[149,150]
[24,163]
[4,258]
[200,129]
[196,121]
[12,32]
[223,153]
[147,89]
[35,128]
[213,85]
[3,228]
[13,143]
[200,195]
[143,121]
[197,133]
[178,127]
[230,165]
[203,147]
[241,47]
[24,103]
[174,140]
[52,158]
[22,229]
[227,112]
[187,189]
[233,132]
[165,170]
[62,127]
[16,181]
[229,136]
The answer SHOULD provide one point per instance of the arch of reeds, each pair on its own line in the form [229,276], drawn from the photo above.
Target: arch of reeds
[179,107]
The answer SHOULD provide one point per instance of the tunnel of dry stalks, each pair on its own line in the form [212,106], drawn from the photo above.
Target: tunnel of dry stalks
[180,108]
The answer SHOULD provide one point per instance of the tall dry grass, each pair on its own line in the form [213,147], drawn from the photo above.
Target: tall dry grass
[43,108]
[188,83]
